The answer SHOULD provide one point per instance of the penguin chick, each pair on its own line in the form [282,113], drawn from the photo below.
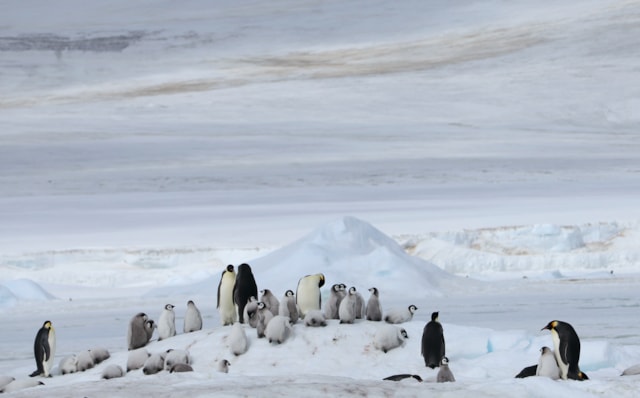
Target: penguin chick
[315,318]
[388,337]
[444,373]
[154,364]
[180,367]
[264,317]
[167,323]
[4,380]
[136,333]
[288,307]
[331,307]
[22,384]
[99,354]
[359,305]
[84,361]
[374,310]
[347,310]
[278,329]
[137,359]
[547,365]
[173,357]
[400,315]
[192,318]
[68,364]
[237,340]
[112,371]
[149,327]
[223,366]
[271,301]
[631,370]
[251,312]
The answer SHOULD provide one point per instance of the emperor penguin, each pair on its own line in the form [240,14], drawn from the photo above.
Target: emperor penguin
[237,340]
[244,288]
[68,364]
[149,327]
[21,384]
[167,323]
[84,361]
[566,346]
[388,337]
[181,367]
[347,310]
[154,364]
[223,366]
[44,349]
[264,317]
[278,329]
[176,356]
[433,347]
[315,318]
[444,373]
[4,380]
[192,318]
[631,370]
[308,293]
[547,364]
[225,305]
[398,315]
[112,371]
[251,312]
[137,335]
[270,301]
[374,310]
[99,354]
[288,307]
[137,358]
[332,305]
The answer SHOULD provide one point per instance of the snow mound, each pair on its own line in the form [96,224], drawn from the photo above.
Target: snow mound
[353,252]
[11,292]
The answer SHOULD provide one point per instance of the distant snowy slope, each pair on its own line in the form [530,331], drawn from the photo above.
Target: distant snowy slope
[353,252]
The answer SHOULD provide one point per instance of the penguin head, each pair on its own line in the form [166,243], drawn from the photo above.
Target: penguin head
[190,303]
[403,333]
[343,287]
[545,350]
[550,326]
[263,291]
[230,268]
[289,293]
[444,361]
[336,288]
[412,308]
[374,291]
[47,325]
[352,290]
[320,280]
[261,305]
[169,307]
[435,316]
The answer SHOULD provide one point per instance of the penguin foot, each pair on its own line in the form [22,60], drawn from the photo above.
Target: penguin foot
[35,373]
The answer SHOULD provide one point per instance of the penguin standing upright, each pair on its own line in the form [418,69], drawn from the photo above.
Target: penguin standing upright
[566,346]
[332,305]
[167,323]
[225,304]
[288,307]
[264,317]
[308,293]
[251,312]
[271,301]
[244,288]
[360,306]
[374,310]
[44,349]
[137,333]
[192,318]
[547,364]
[347,310]
[433,348]
[444,373]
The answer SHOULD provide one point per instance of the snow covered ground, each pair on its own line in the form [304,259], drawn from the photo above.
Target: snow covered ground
[477,158]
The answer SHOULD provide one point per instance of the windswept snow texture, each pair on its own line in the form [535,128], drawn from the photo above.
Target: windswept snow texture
[476,158]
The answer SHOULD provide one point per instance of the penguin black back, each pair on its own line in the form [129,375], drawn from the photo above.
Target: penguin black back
[433,347]
[244,288]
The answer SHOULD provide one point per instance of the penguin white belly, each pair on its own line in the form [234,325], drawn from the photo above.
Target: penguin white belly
[564,367]
[48,364]
[308,296]
[227,308]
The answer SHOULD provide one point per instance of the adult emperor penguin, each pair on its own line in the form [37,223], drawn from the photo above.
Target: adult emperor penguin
[288,307]
[137,335]
[167,323]
[244,288]
[433,347]
[547,364]
[444,373]
[44,349]
[374,310]
[332,305]
[192,318]
[225,305]
[308,293]
[566,346]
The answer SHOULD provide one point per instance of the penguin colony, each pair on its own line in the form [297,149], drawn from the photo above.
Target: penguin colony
[273,320]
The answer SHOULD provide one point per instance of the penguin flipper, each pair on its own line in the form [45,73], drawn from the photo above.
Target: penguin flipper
[527,372]
[219,286]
